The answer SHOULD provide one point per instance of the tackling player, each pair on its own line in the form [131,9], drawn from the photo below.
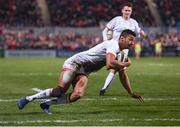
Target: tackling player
[113,30]
[76,69]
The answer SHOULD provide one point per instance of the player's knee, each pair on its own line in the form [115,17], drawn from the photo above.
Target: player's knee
[66,78]
[79,94]
[112,71]
[83,80]
[76,95]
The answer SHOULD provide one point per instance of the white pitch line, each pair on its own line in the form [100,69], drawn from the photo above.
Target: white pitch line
[89,120]
[114,98]
[155,119]
[102,98]
[29,74]
[8,100]
[56,74]
[109,99]
[157,74]
[124,99]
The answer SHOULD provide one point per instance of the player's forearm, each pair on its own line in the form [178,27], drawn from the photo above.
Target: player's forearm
[117,65]
[125,64]
[125,81]
[104,33]
[114,66]
[121,64]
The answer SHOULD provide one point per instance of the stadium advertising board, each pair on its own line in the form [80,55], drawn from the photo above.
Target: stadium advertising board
[30,53]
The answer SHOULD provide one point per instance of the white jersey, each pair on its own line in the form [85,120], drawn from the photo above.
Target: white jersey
[118,24]
[92,59]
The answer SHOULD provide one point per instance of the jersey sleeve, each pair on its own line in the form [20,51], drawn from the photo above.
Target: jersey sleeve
[137,29]
[112,48]
[111,23]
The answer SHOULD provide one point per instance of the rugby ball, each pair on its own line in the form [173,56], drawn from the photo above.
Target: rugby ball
[122,56]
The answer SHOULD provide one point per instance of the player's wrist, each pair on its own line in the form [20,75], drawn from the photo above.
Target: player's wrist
[127,64]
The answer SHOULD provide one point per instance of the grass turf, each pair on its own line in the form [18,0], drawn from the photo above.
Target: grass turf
[156,79]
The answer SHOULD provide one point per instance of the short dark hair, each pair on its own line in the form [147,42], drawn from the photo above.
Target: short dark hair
[127,32]
[129,4]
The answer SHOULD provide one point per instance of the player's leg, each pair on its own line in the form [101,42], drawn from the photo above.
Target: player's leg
[65,80]
[77,93]
[79,88]
[108,81]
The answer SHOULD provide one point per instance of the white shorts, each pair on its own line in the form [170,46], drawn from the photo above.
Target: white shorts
[70,64]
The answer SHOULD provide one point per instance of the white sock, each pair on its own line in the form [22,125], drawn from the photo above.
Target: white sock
[60,100]
[108,80]
[41,95]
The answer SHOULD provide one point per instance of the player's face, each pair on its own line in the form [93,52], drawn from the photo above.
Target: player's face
[126,42]
[126,12]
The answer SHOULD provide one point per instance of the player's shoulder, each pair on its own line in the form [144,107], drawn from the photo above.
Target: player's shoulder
[117,18]
[111,43]
[133,20]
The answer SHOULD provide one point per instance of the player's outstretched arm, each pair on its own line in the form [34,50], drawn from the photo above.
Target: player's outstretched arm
[137,96]
[126,84]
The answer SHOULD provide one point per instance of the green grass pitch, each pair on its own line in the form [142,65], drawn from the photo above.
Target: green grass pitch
[158,80]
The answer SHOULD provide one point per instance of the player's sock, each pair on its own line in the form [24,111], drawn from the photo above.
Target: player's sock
[108,80]
[41,95]
[60,100]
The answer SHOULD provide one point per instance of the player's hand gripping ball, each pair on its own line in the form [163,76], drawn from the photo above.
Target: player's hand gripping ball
[123,57]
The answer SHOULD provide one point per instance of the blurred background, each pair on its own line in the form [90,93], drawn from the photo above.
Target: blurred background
[56,28]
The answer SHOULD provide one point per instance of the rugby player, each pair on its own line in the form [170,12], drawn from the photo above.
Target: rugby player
[77,68]
[113,30]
